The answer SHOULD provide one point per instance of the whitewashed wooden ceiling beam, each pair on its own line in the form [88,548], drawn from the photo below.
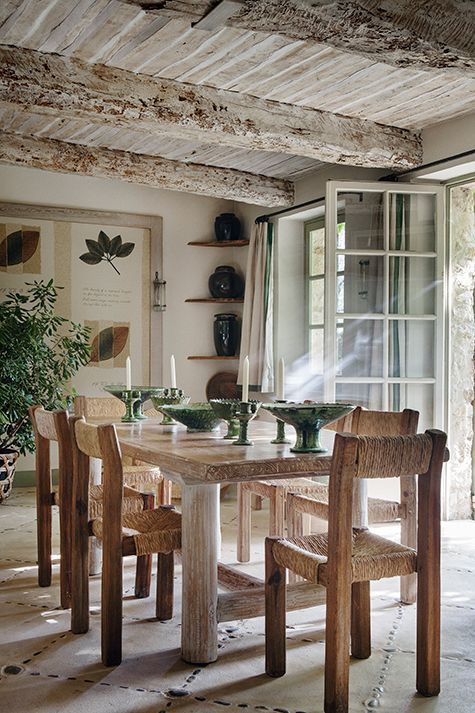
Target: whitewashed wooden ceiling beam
[63,157]
[72,89]
[425,34]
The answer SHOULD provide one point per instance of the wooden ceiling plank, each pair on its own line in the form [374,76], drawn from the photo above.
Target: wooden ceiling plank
[50,84]
[436,35]
[62,157]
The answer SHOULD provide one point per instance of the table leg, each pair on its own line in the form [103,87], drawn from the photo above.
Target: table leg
[200,522]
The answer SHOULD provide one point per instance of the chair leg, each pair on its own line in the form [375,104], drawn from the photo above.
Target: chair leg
[164,492]
[165,570]
[428,632]
[244,524]
[256,501]
[337,647]
[143,572]
[360,620]
[277,512]
[65,561]
[409,534]
[275,609]
[111,608]
[44,500]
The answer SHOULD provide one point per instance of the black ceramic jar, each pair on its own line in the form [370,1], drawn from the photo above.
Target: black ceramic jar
[227,226]
[226,334]
[226,283]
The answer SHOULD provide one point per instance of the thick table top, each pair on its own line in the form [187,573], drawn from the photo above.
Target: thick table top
[198,458]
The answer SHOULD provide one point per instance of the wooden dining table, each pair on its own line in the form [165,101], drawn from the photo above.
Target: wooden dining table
[201,463]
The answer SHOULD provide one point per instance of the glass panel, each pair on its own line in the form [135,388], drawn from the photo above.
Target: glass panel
[317,251]
[360,221]
[367,395]
[412,285]
[412,222]
[359,347]
[316,351]
[411,348]
[360,288]
[317,288]
[419,397]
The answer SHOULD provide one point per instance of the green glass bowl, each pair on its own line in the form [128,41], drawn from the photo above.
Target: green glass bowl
[196,417]
[168,397]
[308,418]
[226,410]
[145,393]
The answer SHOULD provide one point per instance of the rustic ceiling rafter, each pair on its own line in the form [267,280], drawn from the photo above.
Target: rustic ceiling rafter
[72,89]
[435,35]
[64,157]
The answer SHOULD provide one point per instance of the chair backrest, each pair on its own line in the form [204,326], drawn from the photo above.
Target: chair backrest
[388,457]
[366,422]
[52,426]
[89,441]
[98,407]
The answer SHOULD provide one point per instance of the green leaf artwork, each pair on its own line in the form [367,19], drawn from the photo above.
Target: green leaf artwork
[106,249]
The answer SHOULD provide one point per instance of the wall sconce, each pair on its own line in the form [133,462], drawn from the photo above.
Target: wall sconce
[159,294]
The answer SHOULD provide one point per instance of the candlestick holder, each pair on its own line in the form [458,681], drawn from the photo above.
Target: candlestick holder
[246,411]
[169,397]
[130,397]
[280,437]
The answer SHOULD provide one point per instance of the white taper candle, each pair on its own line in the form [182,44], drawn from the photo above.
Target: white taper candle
[280,391]
[245,380]
[172,372]
[128,374]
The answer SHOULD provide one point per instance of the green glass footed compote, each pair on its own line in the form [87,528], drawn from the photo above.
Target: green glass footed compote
[226,409]
[308,418]
[197,417]
[168,397]
[141,394]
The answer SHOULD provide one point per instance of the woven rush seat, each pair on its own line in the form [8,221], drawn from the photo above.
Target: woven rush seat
[373,557]
[156,530]
[131,502]
[316,503]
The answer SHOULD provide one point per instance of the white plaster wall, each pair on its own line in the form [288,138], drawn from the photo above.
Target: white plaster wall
[449,138]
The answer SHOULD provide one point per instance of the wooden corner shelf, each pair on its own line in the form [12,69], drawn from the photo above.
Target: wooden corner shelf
[237,300]
[220,243]
[214,357]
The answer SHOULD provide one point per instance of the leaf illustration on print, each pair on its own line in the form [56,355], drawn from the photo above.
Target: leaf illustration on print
[108,343]
[18,247]
[106,249]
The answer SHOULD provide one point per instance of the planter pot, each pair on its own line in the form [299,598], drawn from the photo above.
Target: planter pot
[227,226]
[7,472]
[225,283]
[226,334]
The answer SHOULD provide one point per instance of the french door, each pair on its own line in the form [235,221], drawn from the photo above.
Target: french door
[385,297]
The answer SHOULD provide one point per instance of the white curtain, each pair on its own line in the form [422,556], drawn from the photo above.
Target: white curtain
[257,319]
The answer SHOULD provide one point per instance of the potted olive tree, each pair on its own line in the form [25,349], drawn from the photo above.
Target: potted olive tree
[39,353]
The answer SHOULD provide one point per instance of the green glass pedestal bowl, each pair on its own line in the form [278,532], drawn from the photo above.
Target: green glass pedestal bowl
[226,410]
[168,397]
[308,418]
[197,417]
[146,392]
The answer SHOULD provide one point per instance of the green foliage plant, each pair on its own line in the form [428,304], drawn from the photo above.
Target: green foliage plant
[39,353]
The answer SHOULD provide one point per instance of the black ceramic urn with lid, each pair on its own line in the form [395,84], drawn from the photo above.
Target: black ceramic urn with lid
[225,283]
[227,226]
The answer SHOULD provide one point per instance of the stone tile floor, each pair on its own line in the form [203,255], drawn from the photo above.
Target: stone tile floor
[46,669]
